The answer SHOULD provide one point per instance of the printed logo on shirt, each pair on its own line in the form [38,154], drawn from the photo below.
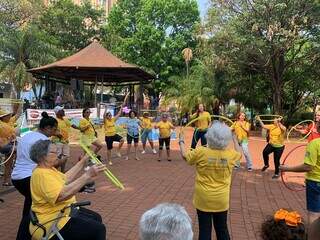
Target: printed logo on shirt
[307,154]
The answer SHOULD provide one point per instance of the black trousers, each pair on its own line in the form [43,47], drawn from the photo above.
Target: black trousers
[277,153]
[219,220]
[86,225]
[23,187]
[197,134]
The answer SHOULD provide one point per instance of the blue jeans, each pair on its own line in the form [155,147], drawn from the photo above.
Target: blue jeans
[198,134]
[246,153]
[146,135]
[313,196]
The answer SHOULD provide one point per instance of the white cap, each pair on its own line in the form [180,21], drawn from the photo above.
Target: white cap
[57,109]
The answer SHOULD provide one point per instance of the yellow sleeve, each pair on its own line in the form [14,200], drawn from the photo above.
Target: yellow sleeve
[49,187]
[233,126]
[171,125]
[68,123]
[268,126]
[311,155]
[236,156]
[83,124]
[209,117]
[192,156]
[247,126]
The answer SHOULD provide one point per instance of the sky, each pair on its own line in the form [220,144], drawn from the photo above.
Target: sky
[203,6]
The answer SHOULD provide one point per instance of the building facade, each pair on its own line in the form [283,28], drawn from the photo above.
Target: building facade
[106,5]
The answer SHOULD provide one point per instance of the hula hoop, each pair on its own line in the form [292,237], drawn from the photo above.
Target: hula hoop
[269,115]
[196,119]
[283,173]
[107,172]
[294,128]
[12,151]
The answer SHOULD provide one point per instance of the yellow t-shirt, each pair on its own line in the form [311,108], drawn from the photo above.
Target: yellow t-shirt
[276,135]
[240,131]
[204,120]
[63,128]
[146,123]
[13,121]
[46,185]
[89,132]
[110,127]
[164,128]
[7,132]
[312,158]
[213,177]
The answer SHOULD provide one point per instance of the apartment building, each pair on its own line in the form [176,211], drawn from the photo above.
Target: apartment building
[106,5]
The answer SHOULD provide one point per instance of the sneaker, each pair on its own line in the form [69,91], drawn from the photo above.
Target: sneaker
[249,169]
[143,152]
[159,160]
[118,154]
[154,151]
[236,167]
[169,160]
[89,189]
[275,176]
[126,158]
[138,159]
[264,168]
[110,163]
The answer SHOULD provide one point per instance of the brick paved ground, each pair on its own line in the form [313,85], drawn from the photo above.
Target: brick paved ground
[148,182]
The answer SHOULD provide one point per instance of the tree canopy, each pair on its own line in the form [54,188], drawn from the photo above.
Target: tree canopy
[152,34]
[272,45]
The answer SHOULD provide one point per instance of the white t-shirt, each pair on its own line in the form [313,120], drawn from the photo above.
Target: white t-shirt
[24,165]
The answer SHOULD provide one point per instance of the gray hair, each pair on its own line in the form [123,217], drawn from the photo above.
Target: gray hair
[166,222]
[39,150]
[218,135]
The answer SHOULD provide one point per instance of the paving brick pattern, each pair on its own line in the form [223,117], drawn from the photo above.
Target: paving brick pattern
[254,195]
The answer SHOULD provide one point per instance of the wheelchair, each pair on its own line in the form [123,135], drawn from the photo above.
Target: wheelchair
[54,230]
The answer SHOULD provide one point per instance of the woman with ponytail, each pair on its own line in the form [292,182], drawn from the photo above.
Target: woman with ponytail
[24,166]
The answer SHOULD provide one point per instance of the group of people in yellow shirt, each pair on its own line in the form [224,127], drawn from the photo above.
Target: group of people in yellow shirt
[214,165]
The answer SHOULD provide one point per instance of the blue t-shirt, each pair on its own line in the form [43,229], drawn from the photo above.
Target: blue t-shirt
[133,126]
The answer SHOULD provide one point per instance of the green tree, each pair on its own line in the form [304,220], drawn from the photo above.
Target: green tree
[22,49]
[152,34]
[188,91]
[275,41]
[71,27]
[14,14]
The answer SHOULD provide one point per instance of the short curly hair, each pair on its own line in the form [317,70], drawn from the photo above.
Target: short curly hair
[279,230]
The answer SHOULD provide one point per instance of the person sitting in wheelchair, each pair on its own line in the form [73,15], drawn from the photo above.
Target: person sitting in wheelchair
[53,195]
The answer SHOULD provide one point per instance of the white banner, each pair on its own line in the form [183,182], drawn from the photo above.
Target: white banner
[35,114]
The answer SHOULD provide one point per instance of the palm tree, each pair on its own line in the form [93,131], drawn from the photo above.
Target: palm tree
[189,91]
[22,49]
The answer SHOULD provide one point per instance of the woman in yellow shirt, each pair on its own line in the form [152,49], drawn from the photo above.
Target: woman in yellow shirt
[89,135]
[310,165]
[146,129]
[7,137]
[164,127]
[111,134]
[53,191]
[61,140]
[275,145]
[214,165]
[201,125]
[241,128]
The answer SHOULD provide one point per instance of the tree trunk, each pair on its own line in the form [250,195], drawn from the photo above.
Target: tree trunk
[278,63]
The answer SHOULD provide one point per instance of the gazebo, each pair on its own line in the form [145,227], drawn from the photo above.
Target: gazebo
[93,65]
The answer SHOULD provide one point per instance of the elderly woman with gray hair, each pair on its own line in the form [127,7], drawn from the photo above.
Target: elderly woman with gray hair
[166,221]
[214,165]
[53,191]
